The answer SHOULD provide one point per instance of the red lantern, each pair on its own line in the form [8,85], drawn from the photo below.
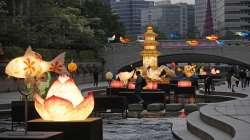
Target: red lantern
[131,85]
[117,84]
[152,85]
[184,84]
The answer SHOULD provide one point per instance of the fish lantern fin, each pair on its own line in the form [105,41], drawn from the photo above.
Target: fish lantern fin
[57,65]
[28,51]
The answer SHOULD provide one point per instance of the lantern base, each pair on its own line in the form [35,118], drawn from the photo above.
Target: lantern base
[89,129]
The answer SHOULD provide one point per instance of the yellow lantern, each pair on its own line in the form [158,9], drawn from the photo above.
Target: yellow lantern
[72,67]
[64,102]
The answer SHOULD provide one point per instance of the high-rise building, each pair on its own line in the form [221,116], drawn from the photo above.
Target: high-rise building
[200,13]
[232,16]
[170,18]
[129,12]
[228,15]
[162,2]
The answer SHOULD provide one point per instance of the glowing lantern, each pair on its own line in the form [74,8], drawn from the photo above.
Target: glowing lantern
[131,85]
[184,84]
[72,67]
[152,85]
[217,71]
[192,43]
[212,37]
[117,84]
[64,102]
[109,76]
[32,65]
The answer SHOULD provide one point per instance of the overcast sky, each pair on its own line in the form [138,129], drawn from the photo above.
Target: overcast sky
[176,1]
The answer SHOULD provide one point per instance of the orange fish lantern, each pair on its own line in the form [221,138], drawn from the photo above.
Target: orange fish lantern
[124,40]
[32,65]
[192,43]
[64,102]
[117,84]
[72,67]
[184,84]
[212,37]
[152,86]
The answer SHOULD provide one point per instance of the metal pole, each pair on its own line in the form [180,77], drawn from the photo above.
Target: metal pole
[26,115]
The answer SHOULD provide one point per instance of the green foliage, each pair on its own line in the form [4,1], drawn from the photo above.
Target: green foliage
[103,20]
[3,8]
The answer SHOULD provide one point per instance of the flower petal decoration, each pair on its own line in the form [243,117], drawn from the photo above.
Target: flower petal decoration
[64,102]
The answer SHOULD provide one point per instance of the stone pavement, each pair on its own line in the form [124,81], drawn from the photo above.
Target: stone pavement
[7,97]
[235,114]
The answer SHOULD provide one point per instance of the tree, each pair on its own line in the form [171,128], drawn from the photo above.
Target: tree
[49,24]
[108,23]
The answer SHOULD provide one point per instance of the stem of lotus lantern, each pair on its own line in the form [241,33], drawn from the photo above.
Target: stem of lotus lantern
[25,108]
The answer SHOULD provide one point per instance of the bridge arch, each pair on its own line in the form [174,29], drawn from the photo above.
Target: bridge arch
[119,56]
[194,58]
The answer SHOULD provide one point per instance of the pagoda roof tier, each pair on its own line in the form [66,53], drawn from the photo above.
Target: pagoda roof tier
[151,43]
[150,32]
[150,53]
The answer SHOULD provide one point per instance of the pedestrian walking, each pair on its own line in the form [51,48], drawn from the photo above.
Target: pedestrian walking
[208,83]
[95,77]
[234,81]
[243,76]
[139,84]
[228,78]
[247,78]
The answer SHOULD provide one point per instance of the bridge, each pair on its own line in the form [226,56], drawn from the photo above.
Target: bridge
[117,56]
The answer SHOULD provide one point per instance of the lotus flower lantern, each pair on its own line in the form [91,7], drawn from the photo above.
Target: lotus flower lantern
[64,102]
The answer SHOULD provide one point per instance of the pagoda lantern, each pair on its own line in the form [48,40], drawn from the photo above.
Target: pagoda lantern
[150,52]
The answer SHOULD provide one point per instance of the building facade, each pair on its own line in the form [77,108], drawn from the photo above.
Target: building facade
[200,14]
[129,12]
[170,18]
[228,15]
[232,16]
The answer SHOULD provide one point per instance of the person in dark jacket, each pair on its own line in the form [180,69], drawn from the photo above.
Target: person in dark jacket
[243,76]
[228,78]
[208,83]
[138,86]
[95,76]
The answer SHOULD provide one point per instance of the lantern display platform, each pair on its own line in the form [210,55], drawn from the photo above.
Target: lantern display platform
[89,129]
[31,135]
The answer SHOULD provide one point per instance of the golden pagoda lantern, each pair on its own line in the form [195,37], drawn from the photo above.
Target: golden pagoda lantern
[150,52]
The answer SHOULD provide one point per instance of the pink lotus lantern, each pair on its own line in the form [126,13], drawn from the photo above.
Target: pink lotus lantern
[64,102]
[152,85]
[117,84]
[184,84]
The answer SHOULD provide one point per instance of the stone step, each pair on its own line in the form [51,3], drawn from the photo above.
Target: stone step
[206,132]
[5,106]
[179,129]
[211,117]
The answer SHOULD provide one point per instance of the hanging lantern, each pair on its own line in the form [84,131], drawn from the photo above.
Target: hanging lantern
[152,85]
[131,85]
[117,84]
[192,43]
[72,67]
[64,102]
[184,84]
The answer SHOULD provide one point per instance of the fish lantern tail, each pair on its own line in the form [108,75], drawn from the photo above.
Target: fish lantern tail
[57,65]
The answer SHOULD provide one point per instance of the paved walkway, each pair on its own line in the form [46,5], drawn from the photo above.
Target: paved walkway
[6,98]
[236,113]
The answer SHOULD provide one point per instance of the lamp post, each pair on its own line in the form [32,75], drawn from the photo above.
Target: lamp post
[109,77]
